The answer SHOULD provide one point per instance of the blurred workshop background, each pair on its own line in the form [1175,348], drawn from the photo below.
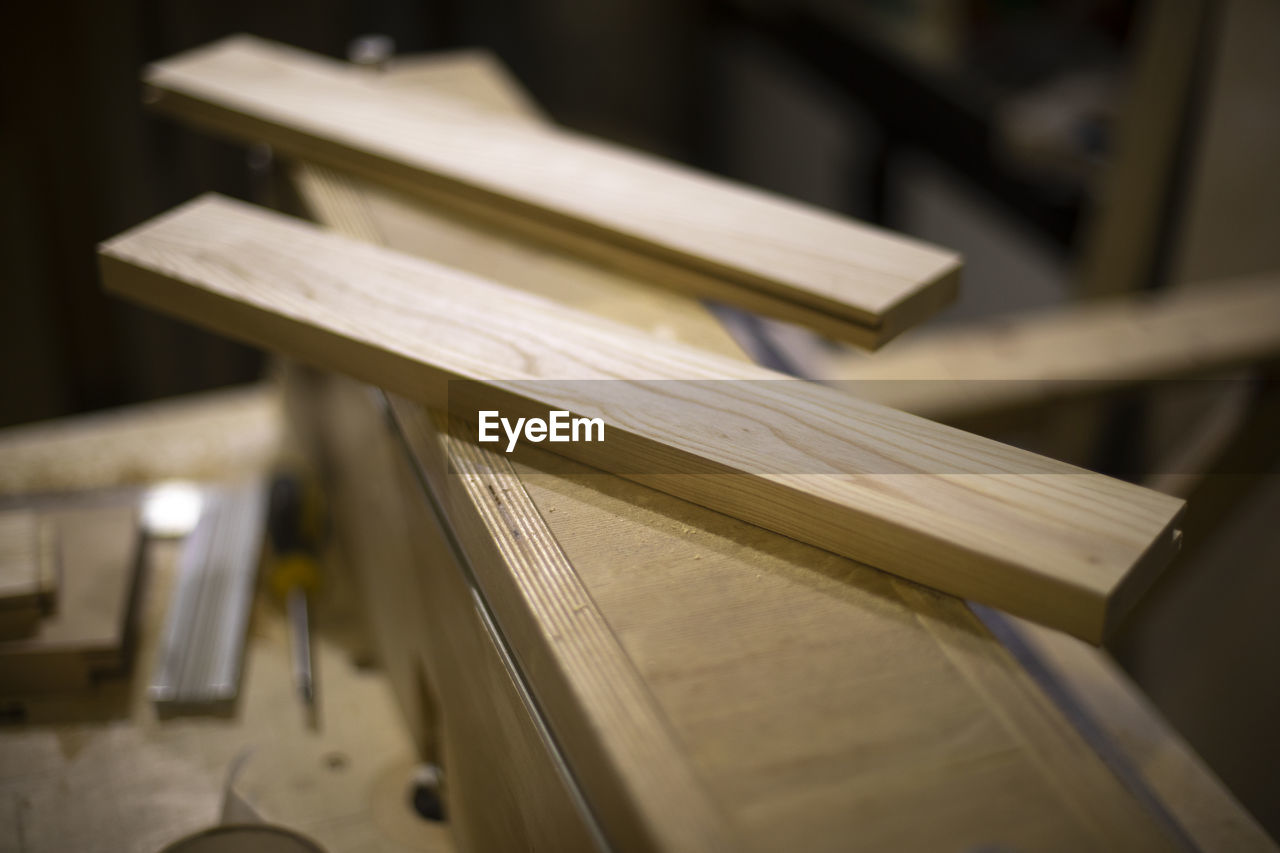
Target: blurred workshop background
[1069,150]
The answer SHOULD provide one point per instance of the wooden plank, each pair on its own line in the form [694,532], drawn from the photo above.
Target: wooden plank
[964,514]
[89,634]
[211,435]
[383,216]
[679,227]
[996,367]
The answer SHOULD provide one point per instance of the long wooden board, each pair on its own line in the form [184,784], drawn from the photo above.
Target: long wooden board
[1045,540]
[1029,361]
[679,227]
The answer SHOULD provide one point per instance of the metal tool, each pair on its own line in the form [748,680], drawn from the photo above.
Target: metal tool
[294,531]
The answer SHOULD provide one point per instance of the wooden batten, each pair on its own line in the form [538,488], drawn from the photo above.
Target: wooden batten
[963,514]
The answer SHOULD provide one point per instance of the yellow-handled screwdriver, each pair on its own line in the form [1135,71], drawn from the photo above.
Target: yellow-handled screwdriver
[294,533]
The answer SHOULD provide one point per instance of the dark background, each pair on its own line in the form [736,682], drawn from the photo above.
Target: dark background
[910,113]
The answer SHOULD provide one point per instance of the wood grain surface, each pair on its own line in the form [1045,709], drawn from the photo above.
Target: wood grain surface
[964,514]
[682,228]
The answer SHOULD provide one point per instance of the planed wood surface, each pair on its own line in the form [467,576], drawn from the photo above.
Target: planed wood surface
[829,706]
[1029,361]
[634,532]
[966,515]
[679,227]
[381,216]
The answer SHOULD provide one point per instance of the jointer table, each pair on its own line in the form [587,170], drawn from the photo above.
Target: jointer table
[597,665]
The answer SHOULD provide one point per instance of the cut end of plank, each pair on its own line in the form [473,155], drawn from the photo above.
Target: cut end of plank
[1138,580]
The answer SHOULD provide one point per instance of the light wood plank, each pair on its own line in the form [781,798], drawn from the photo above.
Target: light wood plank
[964,514]
[680,227]
[90,634]
[504,786]
[222,433]
[998,367]
[383,216]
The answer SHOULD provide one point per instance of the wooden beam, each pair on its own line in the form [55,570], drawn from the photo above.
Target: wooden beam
[958,512]
[678,227]
[90,635]
[1017,363]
